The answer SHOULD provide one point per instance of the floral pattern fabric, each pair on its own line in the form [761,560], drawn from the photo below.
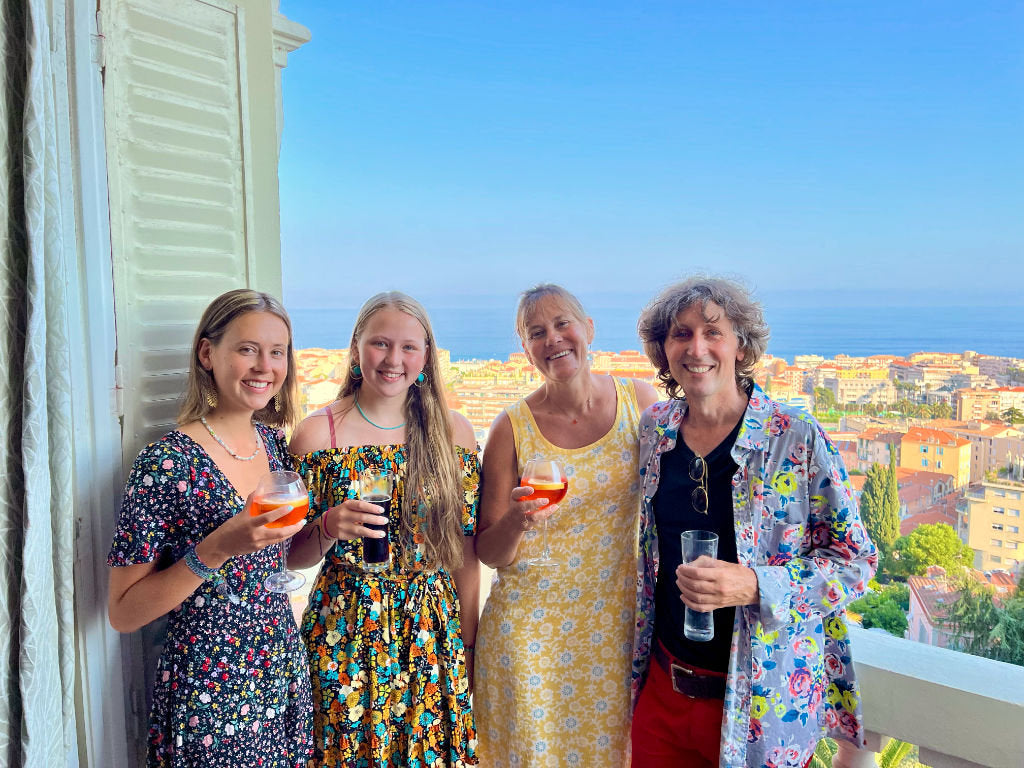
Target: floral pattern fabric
[790,678]
[386,657]
[232,685]
[553,649]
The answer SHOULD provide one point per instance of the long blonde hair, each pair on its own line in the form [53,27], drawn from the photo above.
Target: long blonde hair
[433,472]
[213,325]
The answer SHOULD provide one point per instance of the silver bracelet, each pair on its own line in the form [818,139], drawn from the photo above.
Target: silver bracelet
[198,567]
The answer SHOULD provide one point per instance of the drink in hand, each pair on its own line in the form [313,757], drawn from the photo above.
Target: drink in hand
[272,501]
[551,493]
[549,482]
[276,490]
[376,486]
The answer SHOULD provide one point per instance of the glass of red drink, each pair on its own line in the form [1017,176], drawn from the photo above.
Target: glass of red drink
[276,490]
[547,479]
[376,486]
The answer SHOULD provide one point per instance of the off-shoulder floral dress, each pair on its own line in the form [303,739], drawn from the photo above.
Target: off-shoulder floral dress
[232,685]
[386,657]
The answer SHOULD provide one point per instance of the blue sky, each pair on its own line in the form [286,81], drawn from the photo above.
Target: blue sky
[459,150]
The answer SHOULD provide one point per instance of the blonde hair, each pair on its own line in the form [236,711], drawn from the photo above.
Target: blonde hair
[530,298]
[743,312]
[214,323]
[433,472]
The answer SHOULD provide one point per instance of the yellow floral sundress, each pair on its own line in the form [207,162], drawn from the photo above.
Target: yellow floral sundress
[387,663]
[553,649]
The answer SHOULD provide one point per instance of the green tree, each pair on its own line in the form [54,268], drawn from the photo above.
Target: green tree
[982,628]
[824,399]
[888,529]
[928,545]
[942,411]
[880,504]
[885,607]
[1012,415]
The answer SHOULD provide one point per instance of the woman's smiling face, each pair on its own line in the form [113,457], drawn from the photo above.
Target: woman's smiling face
[556,341]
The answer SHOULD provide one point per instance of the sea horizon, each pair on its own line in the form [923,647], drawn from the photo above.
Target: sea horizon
[487,332]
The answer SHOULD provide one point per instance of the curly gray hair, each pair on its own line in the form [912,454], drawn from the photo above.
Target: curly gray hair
[739,306]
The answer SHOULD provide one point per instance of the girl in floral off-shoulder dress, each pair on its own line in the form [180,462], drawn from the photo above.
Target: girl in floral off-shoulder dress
[390,651]
[232,686]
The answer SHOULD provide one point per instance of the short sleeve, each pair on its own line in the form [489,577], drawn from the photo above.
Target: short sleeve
[470,489]
[154,505]
[277,443]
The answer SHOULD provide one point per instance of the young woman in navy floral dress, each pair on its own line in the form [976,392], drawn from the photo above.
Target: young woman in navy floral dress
[232,685]
[390,651]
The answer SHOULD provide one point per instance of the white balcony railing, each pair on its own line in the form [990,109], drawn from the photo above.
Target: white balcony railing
[962,711]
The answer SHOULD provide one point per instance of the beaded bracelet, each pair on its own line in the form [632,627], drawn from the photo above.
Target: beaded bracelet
[198,567]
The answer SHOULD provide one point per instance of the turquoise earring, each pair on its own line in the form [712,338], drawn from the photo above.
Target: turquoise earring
[357,372]
[420,379]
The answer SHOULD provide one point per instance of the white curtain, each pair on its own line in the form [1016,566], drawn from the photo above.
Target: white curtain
[37,719]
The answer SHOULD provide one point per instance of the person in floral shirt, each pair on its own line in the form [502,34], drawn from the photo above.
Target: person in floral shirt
[721,455]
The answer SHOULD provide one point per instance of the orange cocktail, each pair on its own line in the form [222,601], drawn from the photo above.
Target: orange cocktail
[270,502]
[551,493]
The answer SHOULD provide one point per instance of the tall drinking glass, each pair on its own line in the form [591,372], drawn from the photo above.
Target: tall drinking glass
[276,490]
[548,480]
[376,487]
[698,625]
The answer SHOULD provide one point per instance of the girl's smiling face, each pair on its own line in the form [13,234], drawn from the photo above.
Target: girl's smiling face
[391,351]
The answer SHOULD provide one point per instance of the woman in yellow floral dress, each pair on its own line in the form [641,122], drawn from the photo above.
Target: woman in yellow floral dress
[388,650]
[554,643]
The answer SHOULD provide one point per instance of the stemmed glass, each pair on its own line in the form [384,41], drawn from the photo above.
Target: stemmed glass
[274,491]
[548,480]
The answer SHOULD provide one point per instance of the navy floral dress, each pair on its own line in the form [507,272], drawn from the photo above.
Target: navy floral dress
[232,684]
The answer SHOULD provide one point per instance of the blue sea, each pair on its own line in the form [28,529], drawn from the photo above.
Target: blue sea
[487,332]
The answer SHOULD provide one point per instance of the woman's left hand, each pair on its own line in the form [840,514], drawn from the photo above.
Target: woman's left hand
[707,584]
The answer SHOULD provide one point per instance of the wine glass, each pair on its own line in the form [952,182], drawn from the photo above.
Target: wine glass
[548,480]
[276,490]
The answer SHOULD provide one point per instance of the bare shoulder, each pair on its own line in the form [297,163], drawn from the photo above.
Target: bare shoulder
[501,443]
[462,431]
[312,434]
[646,395]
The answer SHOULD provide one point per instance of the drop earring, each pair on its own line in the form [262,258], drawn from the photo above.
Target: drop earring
[357,372]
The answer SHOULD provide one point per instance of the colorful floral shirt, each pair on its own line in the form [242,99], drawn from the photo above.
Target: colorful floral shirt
[790,678]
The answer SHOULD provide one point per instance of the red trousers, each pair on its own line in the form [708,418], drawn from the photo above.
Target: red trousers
[671,730]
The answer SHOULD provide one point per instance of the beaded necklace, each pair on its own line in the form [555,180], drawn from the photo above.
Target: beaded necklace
[355,399]
[224,445]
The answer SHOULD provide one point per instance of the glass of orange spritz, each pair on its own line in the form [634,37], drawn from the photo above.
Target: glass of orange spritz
[276,490]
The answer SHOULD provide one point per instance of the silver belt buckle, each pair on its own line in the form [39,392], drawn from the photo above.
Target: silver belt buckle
[673,669]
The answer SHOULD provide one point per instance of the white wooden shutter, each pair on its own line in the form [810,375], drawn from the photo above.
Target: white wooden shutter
[178,154]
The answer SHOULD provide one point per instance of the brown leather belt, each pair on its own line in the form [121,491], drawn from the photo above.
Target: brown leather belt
[690,681]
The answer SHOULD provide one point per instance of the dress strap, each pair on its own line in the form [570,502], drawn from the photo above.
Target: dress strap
[330,426]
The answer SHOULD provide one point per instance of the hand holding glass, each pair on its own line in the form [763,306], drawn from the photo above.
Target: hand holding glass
[698,625]
[548,480]
[376,487]
[276,490]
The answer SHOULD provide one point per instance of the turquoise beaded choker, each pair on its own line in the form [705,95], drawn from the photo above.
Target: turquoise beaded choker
[355,399]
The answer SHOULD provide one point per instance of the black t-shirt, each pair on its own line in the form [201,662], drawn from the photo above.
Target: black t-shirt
[673,514]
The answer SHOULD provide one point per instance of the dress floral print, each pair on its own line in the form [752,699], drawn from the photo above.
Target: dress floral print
[232,686]
[790,678]
[388,666]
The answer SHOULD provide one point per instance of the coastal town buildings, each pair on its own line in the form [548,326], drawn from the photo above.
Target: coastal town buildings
[990,524]
[938,451]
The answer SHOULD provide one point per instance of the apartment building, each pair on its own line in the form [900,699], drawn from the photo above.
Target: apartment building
[936,451]
[870,385]
[991,518]
[975,404]
[874,445]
